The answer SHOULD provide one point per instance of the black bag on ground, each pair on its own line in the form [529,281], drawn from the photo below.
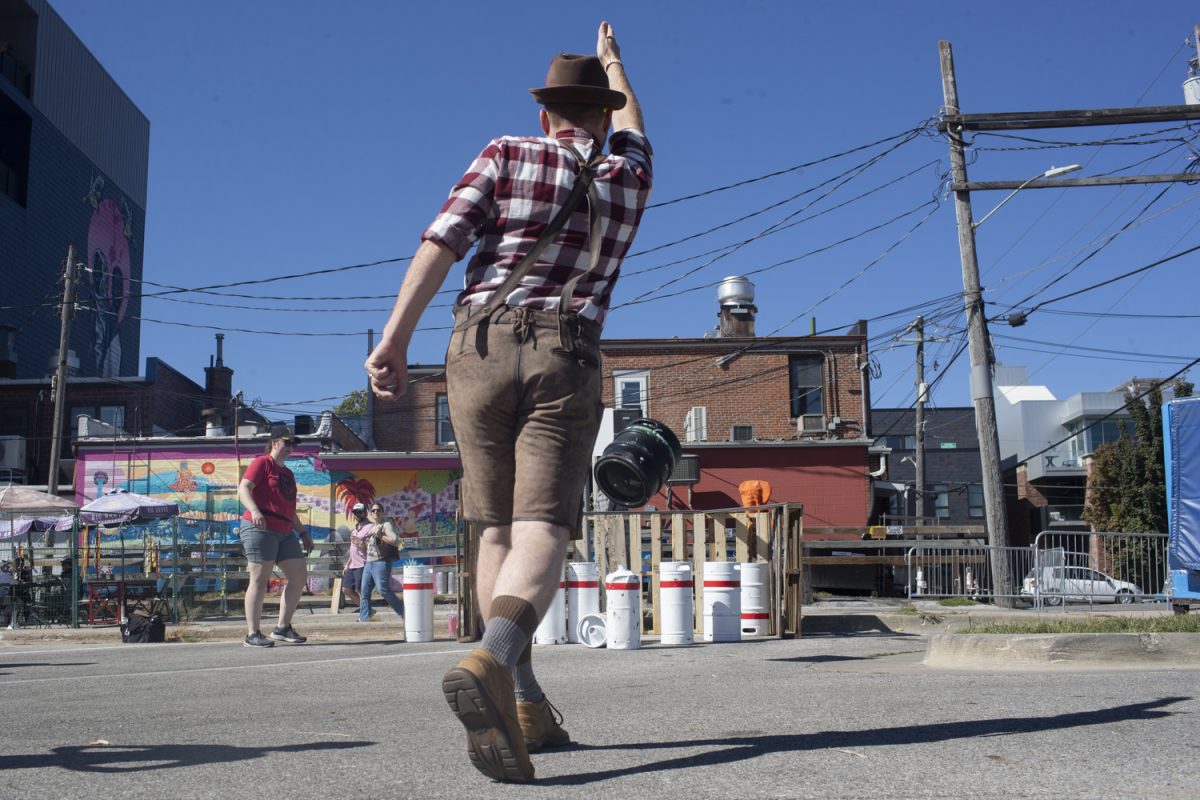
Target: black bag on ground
[139,629]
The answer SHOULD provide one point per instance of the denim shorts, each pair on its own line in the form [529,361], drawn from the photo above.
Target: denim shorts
[264,546]
[524,395]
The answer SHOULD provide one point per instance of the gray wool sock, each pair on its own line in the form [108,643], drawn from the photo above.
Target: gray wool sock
[525,683]
[510,629]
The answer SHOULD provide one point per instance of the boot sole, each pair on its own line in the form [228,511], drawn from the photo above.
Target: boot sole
[488,745]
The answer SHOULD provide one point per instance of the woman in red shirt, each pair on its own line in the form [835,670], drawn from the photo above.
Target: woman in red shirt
[273,535]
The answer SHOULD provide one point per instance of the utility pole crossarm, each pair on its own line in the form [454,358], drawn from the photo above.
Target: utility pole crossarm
[1065,183]
[1027,120]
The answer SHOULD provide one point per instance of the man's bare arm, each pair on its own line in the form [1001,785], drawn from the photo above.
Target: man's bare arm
[609,53]
[387,365]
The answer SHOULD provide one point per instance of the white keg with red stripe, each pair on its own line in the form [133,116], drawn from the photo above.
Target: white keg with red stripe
[623,598]
[418,604]
[755,583]
[583,595]
[553,627]
[675,597]
[722,601]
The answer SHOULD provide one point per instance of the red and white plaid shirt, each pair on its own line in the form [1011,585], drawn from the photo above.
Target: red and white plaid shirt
[510,194]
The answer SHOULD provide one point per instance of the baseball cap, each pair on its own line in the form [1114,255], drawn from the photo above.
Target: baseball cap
[359,507]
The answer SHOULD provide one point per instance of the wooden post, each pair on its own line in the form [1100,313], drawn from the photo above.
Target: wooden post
[655,576]
[762,536]
[980,348]
[741,522]
[919,327]
[679,549]
[698,551]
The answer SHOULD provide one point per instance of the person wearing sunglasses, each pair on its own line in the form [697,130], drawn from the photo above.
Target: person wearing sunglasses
[272,535]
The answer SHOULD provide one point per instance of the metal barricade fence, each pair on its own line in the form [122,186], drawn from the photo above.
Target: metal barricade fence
[937,570]
[1101,567]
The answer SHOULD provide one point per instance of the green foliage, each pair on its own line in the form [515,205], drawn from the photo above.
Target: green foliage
[354,404]
[957,601]
[1182,623]
[1127,489]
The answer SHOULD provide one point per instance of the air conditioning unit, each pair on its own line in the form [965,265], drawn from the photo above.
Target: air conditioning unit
[695,424]
[12,452]
[811,424]
[741,433]
[687,470]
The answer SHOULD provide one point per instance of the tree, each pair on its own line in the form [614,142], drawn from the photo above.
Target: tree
[354,404]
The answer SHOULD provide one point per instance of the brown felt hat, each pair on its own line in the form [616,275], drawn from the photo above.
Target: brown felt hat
[578,79]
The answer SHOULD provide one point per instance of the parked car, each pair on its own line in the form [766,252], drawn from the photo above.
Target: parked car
[1057,584]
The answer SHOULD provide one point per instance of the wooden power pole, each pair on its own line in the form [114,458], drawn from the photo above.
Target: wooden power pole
[955,123]
[919,466]
[59,392]
[996,515]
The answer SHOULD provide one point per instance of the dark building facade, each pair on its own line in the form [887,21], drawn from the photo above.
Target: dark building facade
[74,155]
[953,471]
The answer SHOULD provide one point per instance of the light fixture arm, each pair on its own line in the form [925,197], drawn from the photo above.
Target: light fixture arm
[1053,172]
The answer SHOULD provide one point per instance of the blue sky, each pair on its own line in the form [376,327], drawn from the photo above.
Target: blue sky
[288,137]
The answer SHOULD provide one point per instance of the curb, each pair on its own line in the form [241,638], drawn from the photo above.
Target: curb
[1071,650]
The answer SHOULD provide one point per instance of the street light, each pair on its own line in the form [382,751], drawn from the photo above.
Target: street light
[1053,172]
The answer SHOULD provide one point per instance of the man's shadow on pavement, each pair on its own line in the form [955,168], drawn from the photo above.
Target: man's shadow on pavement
[741,748]
[116,759]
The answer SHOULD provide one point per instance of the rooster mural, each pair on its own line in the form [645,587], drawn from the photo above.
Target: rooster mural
[354,490]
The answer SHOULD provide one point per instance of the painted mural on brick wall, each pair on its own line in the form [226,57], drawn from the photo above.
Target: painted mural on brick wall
[204,486]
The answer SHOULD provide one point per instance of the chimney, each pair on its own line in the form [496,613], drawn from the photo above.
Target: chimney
[8,351]
[218,380]
[735,295]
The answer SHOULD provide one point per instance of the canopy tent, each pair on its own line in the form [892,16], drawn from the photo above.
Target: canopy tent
[119,506]
[23,509]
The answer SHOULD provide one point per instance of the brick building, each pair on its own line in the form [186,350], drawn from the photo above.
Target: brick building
[794,411]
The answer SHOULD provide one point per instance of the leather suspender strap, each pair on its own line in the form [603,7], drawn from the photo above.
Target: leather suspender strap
[584,176]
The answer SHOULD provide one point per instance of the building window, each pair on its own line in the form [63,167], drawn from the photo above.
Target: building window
[1084,442]
[15,133]
[631,389]
[807,385]
[899,442]
[445,431]
[975,500]
[941,500]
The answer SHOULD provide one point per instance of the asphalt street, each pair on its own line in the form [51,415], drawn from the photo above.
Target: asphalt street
[829,716]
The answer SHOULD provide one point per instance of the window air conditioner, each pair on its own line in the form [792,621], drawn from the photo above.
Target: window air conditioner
[811,423]
[12,452]
[741,433]
[695,424]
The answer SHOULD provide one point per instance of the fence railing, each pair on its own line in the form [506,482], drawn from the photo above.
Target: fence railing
[1061,567]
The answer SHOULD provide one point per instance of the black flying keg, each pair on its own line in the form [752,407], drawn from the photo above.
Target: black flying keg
[638,462]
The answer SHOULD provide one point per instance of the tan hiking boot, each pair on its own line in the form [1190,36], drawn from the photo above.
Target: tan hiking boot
[541,725]
[480,693]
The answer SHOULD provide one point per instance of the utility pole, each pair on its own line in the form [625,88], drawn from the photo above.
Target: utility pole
[980,349]
[59,388]
[922,390]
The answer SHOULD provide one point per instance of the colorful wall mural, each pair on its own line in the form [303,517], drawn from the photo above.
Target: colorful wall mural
[203,483]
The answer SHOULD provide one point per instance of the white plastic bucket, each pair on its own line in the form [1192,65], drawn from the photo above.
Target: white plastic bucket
[418,604]
[722,601]
[583,595]
[553,627]
[755,582]
[675,597]
[623,596]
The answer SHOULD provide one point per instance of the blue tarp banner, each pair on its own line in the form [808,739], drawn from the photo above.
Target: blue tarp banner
[1181,441]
